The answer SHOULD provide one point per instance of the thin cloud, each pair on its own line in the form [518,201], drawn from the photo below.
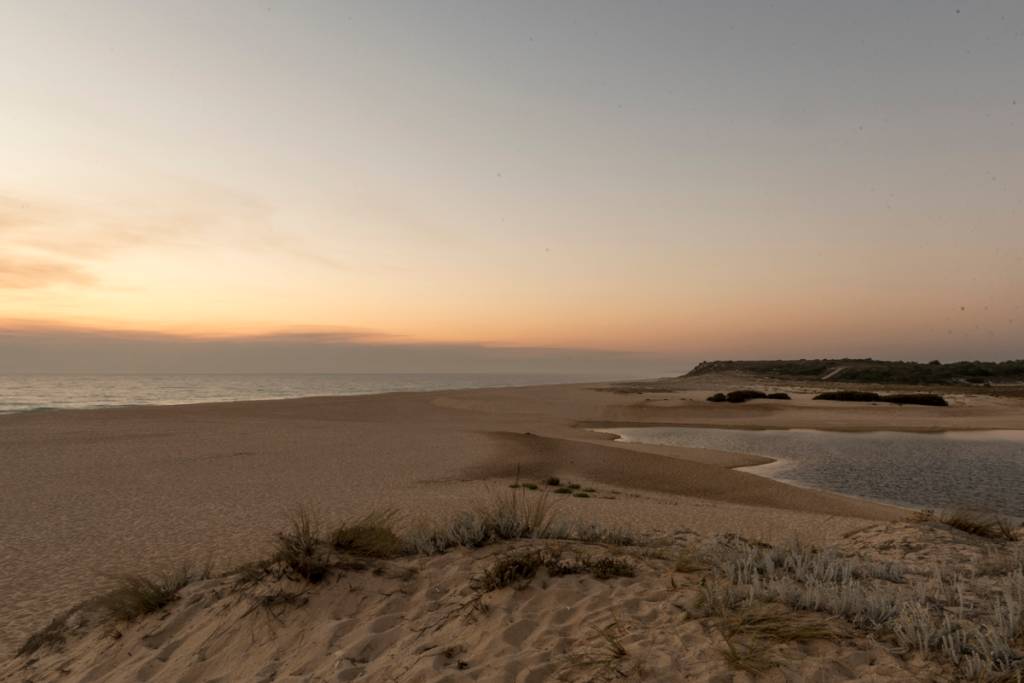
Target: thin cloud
[25,274]
[23,327]
[61,241]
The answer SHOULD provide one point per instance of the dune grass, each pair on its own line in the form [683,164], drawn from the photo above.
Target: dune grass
[976,626]
[137,595]
[775,622]
[751,630]
[983,524]
[52,636]
[308,553]
[752,658]
[371,536]
[517,514]
[519,568]
[757,596]
[300,547]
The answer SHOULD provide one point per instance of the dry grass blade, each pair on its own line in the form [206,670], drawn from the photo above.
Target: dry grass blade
[773,622]
[611,644]
[751,658]
[606,657]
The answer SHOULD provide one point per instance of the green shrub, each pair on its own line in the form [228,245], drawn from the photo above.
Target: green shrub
[848,396]
[916,399]
[744,395]
[870,396]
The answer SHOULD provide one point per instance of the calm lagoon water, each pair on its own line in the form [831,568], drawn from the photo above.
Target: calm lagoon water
[982,469]
[34,392]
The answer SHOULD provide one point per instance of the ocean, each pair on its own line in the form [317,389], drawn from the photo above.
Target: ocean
[42,391]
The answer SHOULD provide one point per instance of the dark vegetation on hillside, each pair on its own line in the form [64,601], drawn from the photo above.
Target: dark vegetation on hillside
[874,371]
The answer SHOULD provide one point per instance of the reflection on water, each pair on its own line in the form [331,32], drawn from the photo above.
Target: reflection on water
[983,469]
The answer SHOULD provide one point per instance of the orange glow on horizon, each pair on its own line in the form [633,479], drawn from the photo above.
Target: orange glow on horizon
[647,199]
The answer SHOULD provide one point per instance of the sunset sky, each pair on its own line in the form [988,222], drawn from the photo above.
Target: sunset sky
[575,185]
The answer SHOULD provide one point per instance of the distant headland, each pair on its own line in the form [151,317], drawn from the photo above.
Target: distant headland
[873,371]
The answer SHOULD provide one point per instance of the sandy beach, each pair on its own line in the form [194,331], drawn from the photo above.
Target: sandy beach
[94,493]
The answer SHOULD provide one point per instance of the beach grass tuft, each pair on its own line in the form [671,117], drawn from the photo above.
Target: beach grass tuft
[751,658]
[300,548]
[768,621]
[137,595]
[518,568]
[371,536]
[52,636]
[983,524]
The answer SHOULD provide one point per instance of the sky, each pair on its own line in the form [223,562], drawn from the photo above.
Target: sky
[622,187]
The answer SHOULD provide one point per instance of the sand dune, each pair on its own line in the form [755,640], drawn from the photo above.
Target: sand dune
[92,493]
[422,620]
[433,619]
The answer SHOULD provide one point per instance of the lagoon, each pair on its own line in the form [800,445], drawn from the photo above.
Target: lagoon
[976,469]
